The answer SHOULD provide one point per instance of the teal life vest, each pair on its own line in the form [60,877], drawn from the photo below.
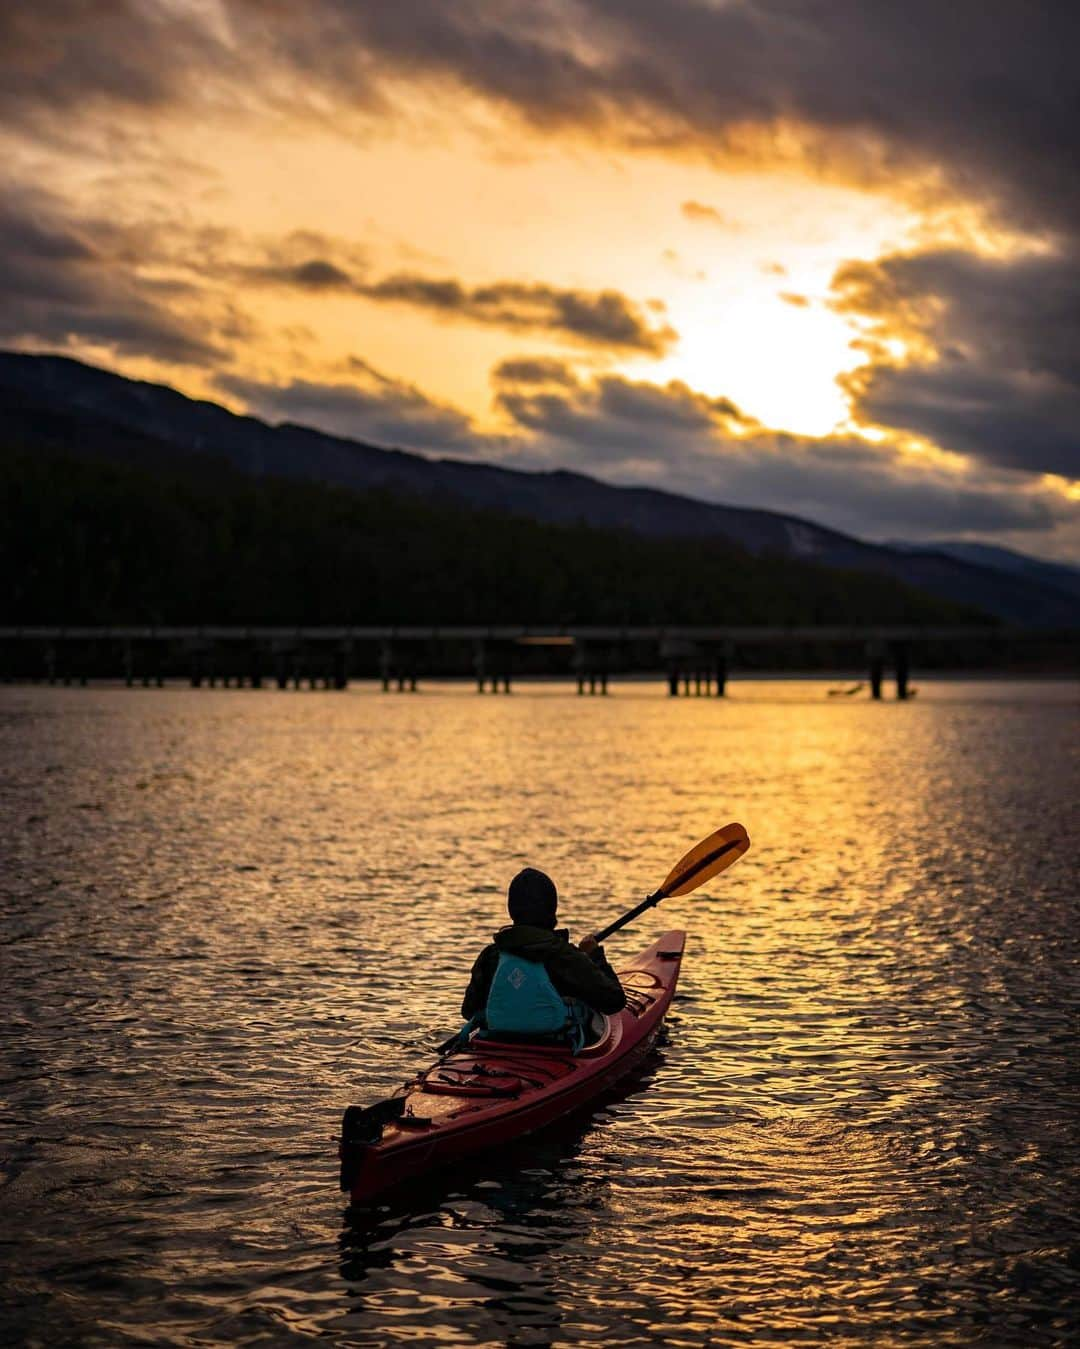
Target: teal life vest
[523,1000]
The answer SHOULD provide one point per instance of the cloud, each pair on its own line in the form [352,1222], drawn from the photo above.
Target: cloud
[68,282]
[603,318]
[64,283]
[796,301]
[368,406]
[980,97]
[696,210]
[63,62]
[993,369]
[306,259]
[315,274]
[979,94]
[674,438]
[531,370]
[612,420]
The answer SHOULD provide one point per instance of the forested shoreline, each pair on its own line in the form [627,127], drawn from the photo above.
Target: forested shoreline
[92,542]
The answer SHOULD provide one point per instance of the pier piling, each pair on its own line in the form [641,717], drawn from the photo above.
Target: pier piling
[723,660]
[591,662]
[902,659]
[876,656]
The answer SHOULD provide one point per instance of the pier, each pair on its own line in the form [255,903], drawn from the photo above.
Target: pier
[694,661]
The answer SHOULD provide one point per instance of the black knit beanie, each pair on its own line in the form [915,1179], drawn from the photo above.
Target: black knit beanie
[532,898]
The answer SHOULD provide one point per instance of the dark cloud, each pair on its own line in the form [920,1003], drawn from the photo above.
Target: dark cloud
[305,260]
[368,406]
[612,420]
[29,232]
[82,56]
[995,370]
[64,283]
[534,370]
[980,92]
[315,274]
[605,318]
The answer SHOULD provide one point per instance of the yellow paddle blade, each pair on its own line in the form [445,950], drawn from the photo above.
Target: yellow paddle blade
[711,856]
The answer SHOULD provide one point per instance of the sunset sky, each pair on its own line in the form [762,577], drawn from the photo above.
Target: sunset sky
[819,256]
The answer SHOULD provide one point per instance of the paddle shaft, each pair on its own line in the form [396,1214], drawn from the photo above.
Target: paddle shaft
[636,912]
[701,865]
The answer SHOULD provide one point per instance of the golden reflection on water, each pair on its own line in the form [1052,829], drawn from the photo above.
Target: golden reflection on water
[230,914]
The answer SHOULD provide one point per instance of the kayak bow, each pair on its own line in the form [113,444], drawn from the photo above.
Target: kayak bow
[491,1091]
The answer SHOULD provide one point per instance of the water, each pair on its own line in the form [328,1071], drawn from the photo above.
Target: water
[229,914]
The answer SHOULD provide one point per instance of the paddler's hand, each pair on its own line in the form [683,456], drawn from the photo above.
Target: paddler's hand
[589,945]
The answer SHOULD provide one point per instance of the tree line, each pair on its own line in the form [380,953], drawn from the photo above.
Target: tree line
[86,541]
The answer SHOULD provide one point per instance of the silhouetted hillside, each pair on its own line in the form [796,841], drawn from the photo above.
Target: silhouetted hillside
[96,542]
[52,401]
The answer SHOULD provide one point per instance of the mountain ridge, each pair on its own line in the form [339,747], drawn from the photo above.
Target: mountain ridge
[1061,576]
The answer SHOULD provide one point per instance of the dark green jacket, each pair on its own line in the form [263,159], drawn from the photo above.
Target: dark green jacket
[574,974]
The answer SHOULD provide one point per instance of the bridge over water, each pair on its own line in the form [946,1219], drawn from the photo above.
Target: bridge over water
[693,659]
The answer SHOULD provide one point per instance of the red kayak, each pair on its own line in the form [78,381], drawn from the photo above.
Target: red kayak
[491,1091]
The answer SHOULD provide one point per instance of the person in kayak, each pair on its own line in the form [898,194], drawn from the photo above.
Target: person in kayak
[531,982]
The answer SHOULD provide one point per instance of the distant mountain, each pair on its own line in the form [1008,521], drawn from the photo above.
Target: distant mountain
[1057,575]
[62,403]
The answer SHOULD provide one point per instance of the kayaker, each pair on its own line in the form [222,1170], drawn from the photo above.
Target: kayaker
[531,982]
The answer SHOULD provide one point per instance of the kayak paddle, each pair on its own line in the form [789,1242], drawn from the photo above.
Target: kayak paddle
[704,861]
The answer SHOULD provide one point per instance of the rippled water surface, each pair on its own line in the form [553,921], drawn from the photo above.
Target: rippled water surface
[227,915]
